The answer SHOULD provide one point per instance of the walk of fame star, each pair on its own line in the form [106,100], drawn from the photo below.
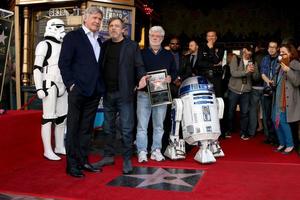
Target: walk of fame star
[158,85]
[2,38]
[160,178]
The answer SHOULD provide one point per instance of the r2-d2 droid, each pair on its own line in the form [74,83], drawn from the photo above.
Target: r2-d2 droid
[50,88]
[199,112]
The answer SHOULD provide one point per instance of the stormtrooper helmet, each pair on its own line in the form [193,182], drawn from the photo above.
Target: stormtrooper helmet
[55,28]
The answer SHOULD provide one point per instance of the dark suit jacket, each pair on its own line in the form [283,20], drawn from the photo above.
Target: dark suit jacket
[131,67]
[186,69]
[78,64]
[210,57]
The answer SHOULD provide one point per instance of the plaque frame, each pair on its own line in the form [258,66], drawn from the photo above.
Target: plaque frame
[159,91]
[6,33]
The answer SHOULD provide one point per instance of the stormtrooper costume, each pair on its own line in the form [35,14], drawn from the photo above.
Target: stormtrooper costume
[51,89]
[198,111]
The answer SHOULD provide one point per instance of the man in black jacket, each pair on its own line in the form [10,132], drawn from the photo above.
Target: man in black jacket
[122,66]
[79,64]
[210,63]
[190,63]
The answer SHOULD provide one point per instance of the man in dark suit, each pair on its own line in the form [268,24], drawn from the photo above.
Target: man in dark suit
[122,66]
[189,63]
[174,46]
[79,64]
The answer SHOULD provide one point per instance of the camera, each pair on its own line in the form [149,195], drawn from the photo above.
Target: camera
[269,90]
[244,80]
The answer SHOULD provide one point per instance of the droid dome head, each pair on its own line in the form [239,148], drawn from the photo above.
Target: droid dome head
[55,28]
[195,84]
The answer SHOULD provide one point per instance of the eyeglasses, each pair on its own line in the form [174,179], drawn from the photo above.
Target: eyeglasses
[174,43]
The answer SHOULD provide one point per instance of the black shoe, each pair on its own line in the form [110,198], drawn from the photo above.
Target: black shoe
[89,168]
[104,162]
[75,173]
[127,167]
[227,134]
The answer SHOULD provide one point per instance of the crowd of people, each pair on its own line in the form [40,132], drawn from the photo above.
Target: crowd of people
[262,84]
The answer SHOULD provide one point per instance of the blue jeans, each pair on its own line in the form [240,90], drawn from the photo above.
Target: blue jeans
[283,131]
[144,111]
[255,100]
[114,104]
[243,100]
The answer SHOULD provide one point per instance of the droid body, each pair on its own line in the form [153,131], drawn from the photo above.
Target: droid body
[198,111]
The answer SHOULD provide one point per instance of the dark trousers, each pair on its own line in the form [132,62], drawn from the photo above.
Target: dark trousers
[243,100]
[217,83]
[255,100]
[113,103]
[80,121]
[269,129]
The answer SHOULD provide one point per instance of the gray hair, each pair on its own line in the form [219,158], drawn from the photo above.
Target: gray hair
[157,29]
[92,10]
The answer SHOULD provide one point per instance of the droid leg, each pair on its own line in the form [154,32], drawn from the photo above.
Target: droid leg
[215,148]
[220,107]
[46,138]
[176,148]
[204,155]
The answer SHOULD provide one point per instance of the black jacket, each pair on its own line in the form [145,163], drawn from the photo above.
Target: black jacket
[78,64]
[131,67]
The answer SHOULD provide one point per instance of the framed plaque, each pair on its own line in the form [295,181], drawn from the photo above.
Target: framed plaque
[158,89]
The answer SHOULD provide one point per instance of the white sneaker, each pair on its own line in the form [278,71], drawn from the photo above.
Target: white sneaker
[156,155]
[142,157]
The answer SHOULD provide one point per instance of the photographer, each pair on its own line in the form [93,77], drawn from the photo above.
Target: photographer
[287,97]
[268,68]
[239,86]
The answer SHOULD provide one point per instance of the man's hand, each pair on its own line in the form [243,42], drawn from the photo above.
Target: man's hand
[72,86]
[143,82]
[270,82]
[210,44]
[177,82]
[168,79]
[250,68]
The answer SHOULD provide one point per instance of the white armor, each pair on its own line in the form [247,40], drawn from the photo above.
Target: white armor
[199,112]
[50,88]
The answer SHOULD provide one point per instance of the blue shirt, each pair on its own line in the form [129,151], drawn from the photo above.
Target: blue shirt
[162,60]
[268,67]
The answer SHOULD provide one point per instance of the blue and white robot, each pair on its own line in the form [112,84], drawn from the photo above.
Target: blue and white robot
[199,112]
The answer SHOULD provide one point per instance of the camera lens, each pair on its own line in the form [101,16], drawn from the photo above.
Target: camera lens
[268,90]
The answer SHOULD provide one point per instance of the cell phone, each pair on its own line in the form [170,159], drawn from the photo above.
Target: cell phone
[244,80]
